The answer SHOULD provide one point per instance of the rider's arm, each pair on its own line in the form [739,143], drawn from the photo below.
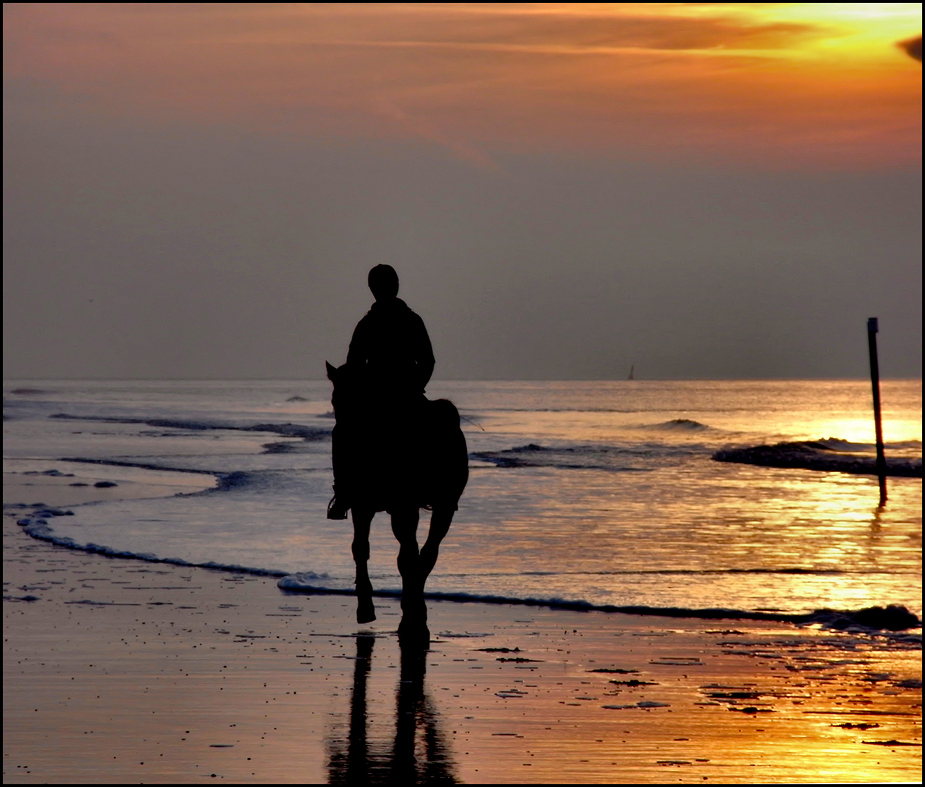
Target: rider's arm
[423,355]
[358,352]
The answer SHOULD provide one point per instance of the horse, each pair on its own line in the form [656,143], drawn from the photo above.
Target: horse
[397,457]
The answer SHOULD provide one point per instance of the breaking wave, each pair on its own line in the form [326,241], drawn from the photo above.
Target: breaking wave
[638,457]
[572,458]
[679,425]
[830,454]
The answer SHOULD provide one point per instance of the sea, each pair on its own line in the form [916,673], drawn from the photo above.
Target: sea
[589,494]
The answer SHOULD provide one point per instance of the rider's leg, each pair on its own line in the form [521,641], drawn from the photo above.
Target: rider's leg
[362,519]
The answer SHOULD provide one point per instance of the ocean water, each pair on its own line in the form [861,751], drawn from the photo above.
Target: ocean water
[602,493]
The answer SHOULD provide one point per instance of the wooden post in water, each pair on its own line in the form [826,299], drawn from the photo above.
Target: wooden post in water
[872,329]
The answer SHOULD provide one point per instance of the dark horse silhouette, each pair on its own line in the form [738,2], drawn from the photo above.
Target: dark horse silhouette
[397,458]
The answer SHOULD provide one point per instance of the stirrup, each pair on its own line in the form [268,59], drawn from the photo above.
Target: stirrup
[337,509]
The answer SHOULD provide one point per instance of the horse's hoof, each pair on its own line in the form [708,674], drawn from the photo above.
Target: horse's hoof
[366,612]
[413,633]
[414,639]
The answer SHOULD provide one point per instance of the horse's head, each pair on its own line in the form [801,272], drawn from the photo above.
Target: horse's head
[332,372]
[347,388]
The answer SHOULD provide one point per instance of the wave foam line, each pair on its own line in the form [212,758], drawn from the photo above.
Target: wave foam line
[286,430]
[224,479]
[894,617]
[38,528]
[139,465]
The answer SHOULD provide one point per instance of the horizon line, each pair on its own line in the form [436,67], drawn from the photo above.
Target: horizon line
[462,379]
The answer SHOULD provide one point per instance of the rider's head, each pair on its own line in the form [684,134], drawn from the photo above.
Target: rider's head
[383,281]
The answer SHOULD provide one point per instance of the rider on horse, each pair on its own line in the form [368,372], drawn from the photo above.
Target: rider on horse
[391,357]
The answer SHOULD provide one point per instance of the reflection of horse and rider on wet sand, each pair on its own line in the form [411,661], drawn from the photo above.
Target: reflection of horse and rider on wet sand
[409,758]
[394,450]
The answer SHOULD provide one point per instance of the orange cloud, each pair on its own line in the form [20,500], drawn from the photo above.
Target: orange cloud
[818,83]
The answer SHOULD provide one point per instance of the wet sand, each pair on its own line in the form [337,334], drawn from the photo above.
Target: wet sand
[124,671]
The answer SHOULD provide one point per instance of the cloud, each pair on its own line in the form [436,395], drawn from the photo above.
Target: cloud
[692,79]
[580,29]
[912,47]
[428,130]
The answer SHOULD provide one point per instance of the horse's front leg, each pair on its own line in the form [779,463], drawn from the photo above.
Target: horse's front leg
[366,612]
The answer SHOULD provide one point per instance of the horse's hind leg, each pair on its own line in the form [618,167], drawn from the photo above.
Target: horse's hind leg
[414,610]
[404,526]
[366,612]
[440,521]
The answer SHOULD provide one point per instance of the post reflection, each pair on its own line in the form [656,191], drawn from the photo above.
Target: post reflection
[417,755]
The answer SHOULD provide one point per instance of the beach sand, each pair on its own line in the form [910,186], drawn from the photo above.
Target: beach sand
[126,671]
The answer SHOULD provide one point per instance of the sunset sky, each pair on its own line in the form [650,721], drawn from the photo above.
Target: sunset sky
[699,189]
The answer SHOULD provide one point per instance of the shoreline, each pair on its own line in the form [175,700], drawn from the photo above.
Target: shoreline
[126,671]
[872,620]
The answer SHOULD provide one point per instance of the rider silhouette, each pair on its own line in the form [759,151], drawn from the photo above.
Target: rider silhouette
[390,353]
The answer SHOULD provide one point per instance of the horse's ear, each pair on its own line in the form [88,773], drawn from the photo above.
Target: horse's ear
[331,371]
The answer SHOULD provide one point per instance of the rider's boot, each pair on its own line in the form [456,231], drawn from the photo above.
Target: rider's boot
[339,506]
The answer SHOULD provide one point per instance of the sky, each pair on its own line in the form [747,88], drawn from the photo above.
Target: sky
[699,190]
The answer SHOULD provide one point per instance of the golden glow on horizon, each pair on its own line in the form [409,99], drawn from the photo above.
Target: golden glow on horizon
[872,29]
[817,83]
